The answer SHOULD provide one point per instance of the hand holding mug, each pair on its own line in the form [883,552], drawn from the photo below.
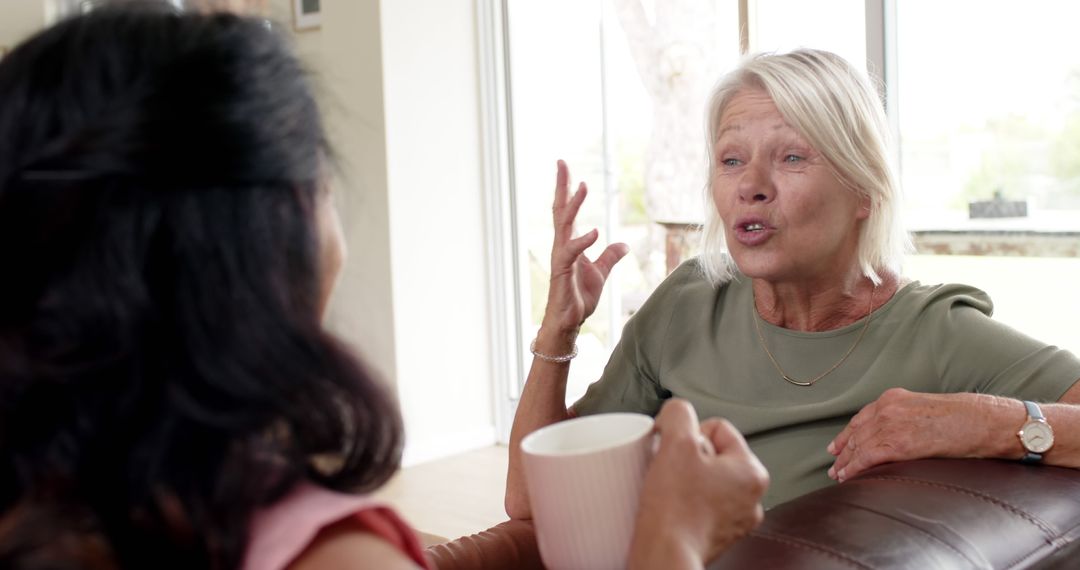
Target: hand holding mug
[695,503]
[584,477]
[615,489]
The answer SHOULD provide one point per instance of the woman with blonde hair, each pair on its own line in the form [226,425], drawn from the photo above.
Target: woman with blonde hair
[796,323]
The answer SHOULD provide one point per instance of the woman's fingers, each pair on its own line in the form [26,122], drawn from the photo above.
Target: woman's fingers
[612,254]
[724,437]
[573,253]
[841,440]
[677,416]
[567,214]
[563,227]
[732,447]
[562,180]
[578,245]
[708,500]
[570,212]
[576,282]
[566,207]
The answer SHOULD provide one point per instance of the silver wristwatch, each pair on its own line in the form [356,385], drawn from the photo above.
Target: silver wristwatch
[1036,435]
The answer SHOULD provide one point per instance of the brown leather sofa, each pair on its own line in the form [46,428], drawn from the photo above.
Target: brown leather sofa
[927,514]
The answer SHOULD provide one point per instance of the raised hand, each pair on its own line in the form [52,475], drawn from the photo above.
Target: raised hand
[576,282]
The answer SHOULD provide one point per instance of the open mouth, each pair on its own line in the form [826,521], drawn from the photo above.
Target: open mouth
[754,227]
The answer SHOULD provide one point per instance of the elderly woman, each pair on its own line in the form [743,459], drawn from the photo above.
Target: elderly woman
[795,323]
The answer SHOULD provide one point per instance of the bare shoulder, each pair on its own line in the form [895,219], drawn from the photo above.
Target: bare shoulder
[345,545]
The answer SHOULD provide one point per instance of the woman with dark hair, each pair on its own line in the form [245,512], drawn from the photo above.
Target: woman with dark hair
[160,314]
[168,396]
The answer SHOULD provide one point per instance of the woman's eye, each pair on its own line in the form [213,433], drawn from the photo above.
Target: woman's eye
[730,162]
[793,158]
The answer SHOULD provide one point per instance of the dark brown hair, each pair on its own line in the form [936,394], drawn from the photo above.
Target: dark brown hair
[163,369]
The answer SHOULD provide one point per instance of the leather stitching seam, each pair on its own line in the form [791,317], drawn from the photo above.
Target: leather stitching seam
[912,526]
[1042,525]
[807,545]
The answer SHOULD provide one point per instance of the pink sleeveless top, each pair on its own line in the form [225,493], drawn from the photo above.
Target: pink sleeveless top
[282,531]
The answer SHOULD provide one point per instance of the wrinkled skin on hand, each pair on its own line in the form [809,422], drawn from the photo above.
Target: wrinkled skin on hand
[902,425]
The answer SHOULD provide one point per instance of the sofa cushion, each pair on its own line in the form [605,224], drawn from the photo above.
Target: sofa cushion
[934,513]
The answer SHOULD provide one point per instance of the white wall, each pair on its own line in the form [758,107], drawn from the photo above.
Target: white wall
[19,19]
[345,57]
[400,93]
[433,150]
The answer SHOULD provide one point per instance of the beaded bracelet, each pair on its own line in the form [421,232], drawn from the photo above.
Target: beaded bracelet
[549,358]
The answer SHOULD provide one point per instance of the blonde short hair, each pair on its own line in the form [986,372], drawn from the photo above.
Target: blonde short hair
[835,108]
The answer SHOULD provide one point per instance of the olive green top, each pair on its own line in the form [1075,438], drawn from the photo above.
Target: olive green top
[698,342]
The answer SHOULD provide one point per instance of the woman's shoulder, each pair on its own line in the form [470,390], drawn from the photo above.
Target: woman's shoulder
[686,288]
[943,297]
[311,519]
[348,544]
[687,282]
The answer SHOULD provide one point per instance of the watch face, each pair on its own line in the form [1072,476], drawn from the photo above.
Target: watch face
[1037,436]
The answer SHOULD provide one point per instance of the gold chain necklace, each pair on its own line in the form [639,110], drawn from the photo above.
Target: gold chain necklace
[810,382]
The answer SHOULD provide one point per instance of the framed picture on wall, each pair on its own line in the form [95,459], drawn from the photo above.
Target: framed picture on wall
[307,14]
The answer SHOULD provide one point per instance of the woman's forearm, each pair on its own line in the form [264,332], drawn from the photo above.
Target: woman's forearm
[1064,418]
[543,402]
[903,425]
[1009,415]
[573,293]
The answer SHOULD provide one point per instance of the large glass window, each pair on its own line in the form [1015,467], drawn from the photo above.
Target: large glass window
[989,105]
[616,88]
[989,129]
[838,26]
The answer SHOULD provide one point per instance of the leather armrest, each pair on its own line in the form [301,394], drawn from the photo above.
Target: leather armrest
[932,513]
[511,544]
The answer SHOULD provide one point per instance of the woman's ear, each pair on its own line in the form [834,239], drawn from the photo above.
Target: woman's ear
[865,205]
[332,248]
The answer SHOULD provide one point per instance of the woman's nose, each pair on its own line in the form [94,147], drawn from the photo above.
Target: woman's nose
[755,184]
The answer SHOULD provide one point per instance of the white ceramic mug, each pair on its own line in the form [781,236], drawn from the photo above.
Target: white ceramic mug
[584,478]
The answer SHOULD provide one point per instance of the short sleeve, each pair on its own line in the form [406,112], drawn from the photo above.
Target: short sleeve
[281,532]
[630,382]
[976,353]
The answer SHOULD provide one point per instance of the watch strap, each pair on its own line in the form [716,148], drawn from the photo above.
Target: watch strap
[1031,457]
[1034,412]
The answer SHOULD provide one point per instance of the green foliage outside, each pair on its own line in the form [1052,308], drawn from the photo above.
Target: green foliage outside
[1066,154]
[1007,166]
[631,161]
[1021,155]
